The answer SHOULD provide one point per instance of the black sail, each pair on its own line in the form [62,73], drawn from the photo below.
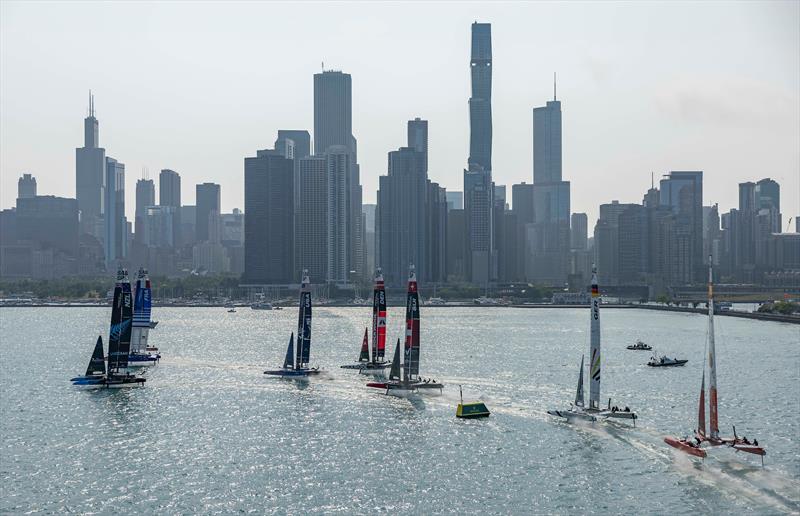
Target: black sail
[304,323]
[394,372]
[97,364]
[119,342]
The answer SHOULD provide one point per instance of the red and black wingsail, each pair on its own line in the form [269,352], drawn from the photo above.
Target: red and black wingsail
[411,362]
[379,319]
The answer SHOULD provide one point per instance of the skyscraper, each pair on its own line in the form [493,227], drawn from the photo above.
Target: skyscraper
[400,218]
[340,223]
[480,103]
[269,220]
[478,189]
[682,193]
[26,187]
[169,188]
[208,203]
[90,175]
[549,238]
[333,112]
[145,197]
[418,137]
[116,225]
[768,197]
[455,200]
[312,218]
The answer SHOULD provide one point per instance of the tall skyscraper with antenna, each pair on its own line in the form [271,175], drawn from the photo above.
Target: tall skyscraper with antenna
[90,176]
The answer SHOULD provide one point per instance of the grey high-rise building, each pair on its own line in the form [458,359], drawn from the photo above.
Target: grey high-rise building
[169,188]
[478,188]
[548,239]
[207,202]
[579,231]
[145,197]
[340,223]
[682,192]
[269,220]
[312,219]
[418,137]
[522,206]
[48,222]
[90,175]
[400,218]
[116,225]
[768,196]
[480,103]
[333,112]
[26,187]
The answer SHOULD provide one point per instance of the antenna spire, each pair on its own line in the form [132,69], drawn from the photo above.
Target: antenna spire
[652,181]
[554,86]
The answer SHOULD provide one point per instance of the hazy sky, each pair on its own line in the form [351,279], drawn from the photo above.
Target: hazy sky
[196,87]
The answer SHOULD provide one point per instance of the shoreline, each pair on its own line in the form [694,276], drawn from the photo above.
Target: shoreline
[683,309]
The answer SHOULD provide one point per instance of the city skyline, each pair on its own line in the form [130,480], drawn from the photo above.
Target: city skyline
[678,104]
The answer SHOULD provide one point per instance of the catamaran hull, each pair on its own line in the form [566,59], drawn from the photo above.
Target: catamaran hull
[368,367]
[293,373]
[684,446]
[571,415]
[400,387]
[143,360]
[92,384]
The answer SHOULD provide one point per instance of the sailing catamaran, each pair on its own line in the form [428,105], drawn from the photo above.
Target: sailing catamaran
[296,364]
[410,380]
[141,354]
[119,342]
[578,410]
[378,362]
[703,441]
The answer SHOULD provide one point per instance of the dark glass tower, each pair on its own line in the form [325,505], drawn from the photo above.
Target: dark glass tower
[480,103]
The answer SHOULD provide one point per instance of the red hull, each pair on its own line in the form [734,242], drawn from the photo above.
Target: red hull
[684,446]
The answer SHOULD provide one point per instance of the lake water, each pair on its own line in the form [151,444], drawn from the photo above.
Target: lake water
[211,434]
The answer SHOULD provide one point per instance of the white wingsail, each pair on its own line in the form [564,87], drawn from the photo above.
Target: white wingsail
[594,348]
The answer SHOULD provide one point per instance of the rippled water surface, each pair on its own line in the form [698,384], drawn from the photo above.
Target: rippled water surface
[210,433]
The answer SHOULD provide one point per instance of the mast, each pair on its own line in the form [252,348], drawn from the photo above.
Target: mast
[411,362]
[378,318]
[594,347]
[712,359]
[304,323]
[701,409]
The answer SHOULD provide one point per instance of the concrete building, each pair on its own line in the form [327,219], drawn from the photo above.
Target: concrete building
[418,137]
[312,223]
[522,206]
[169,188]
[333,112]
[269,220]
[116,225]
[90,176]
[145,197]
[579,231]
[478,212]
[682,193]
[341,226]
[26,187]
[480,102]
[455,200]
[768,202]
[208,202]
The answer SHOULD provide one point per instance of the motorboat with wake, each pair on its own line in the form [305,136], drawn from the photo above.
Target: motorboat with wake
[593,411]
[702,441]
[119,342]
[640,346]
[378,363]
[665,361]
[296,364]
[141,354]
[405,377]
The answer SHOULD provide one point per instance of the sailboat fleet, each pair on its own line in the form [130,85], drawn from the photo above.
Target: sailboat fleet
[128,347]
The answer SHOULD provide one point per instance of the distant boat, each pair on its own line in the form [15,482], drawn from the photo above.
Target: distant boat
[640,346]
[702,441]
[119,342]
[296,364]
[231,310]
[407,378]
[262,305]
[578,410]
[378,363]
[665,361]
[140,354]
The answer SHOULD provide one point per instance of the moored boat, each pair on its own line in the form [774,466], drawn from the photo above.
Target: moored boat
[640,346]
[295,364]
